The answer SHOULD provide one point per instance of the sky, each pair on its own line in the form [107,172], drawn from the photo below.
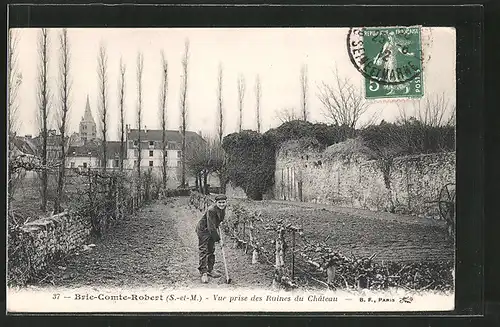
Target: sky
[275,54]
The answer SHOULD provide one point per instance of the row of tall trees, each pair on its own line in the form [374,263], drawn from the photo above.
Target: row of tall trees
[211,158]
[60,106]
[342,103]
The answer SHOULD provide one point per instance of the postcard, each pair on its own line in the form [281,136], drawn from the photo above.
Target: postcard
[178,170]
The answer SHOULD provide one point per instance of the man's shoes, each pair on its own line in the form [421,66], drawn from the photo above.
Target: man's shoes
[214,274]
[204,278]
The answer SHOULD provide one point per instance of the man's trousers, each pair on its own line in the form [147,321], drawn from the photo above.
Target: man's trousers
[206,248]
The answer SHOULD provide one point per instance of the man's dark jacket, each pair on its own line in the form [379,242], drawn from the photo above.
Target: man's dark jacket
[210,222]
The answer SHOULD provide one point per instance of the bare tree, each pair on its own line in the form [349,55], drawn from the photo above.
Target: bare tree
[14,81]
[258,95]
[221,166]
[102,74]
[287,114]
[343,103]
[43,96]
[184,109]
[220,109]
[163,118]
[140,65]
[241,96]
[204,158]
[429,124]
[121,100]
[64,89]
[304,87]
[434,111]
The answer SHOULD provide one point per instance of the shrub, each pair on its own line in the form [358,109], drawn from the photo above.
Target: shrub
[408,137]
[251,155]
[298,129]
[250,162]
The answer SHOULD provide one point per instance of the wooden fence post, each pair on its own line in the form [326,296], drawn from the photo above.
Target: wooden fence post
[280,262]
[330,272]
[255,253]
[244,235]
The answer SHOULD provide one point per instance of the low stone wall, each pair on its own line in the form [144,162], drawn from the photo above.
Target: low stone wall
[33,246]
[235,192]
[411,186]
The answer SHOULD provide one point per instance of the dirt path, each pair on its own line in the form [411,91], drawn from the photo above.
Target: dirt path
[155,248]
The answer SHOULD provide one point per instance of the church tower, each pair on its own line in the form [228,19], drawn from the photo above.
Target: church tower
[88,130]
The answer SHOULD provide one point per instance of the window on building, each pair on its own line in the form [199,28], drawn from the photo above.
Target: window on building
[151,143]
[179,154]
[72,165]
[135,163]
[150,153]
[84,165]
[116,163]
[136,153]
[171,146]
[150,163]
[178,164]
[135,143]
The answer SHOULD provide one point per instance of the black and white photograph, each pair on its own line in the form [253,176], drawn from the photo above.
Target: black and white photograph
[231,169]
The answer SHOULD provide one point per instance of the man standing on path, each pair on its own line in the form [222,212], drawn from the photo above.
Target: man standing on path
[208,235]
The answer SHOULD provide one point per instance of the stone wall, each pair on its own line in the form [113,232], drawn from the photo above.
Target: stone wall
[238,193]
[235,192]
[36,244]
[411,187]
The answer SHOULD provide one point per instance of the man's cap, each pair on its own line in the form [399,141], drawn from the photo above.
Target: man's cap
[220,197]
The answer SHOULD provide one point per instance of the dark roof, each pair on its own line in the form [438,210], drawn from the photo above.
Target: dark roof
[95,148]
[52,140]
[114,149]
[83,151]
[156,135]
[24,146]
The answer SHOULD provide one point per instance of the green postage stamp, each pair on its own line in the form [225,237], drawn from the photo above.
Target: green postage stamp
[390,59]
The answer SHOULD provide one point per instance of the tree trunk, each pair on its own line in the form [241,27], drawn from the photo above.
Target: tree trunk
[205,182]
[44,172]
[164,167]
[60,185]
[200,183]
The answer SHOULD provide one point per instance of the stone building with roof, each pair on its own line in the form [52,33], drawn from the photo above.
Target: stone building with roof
[90,155]
[151,147]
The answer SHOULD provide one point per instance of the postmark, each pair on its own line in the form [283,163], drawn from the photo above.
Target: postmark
[390,59]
